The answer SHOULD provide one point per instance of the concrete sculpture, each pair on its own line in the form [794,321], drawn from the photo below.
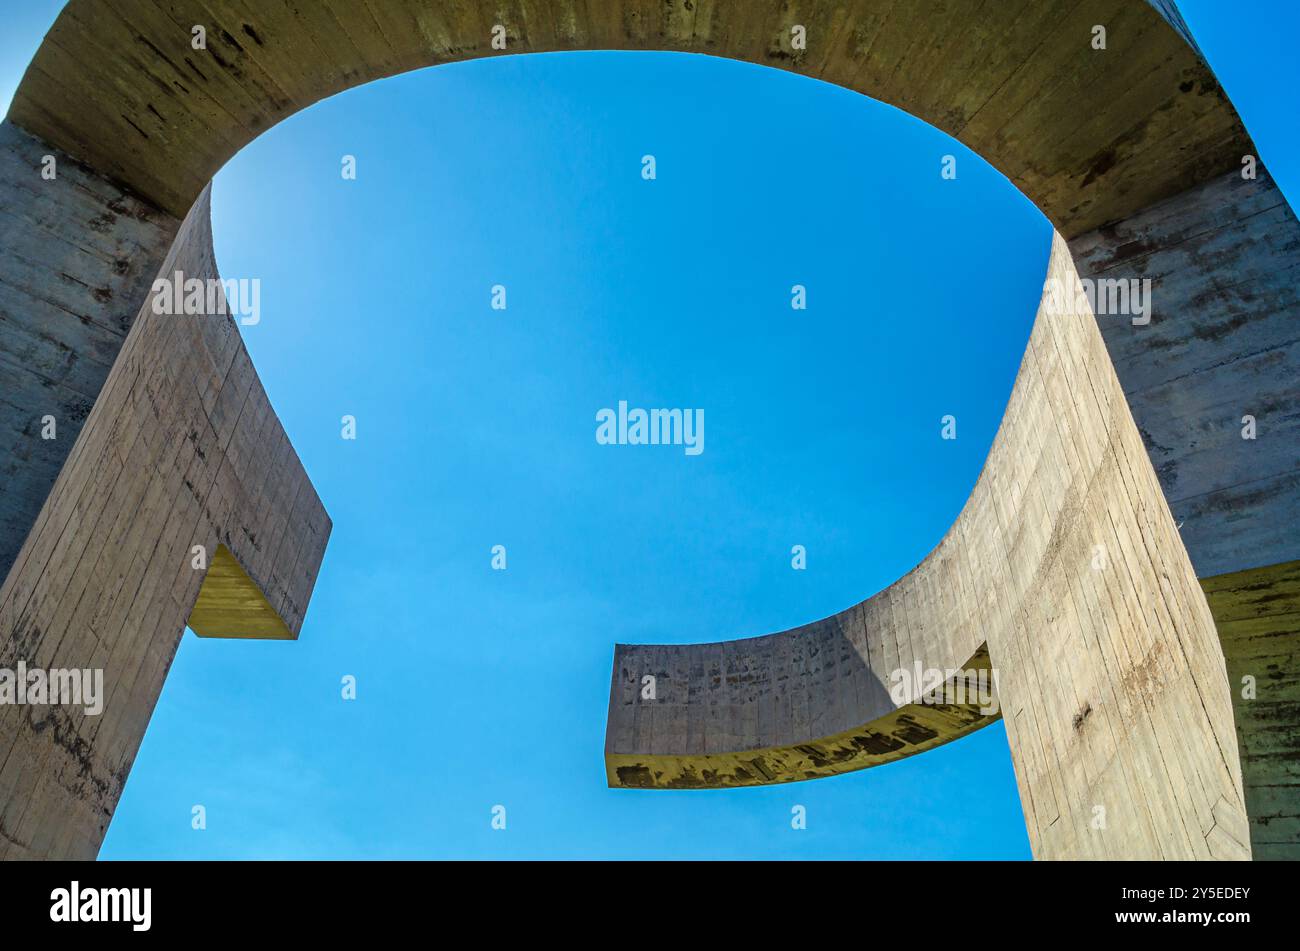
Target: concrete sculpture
[1120,434]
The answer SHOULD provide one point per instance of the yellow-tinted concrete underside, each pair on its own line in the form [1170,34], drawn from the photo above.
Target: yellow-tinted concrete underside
[1257,613]
[231,604]
[913,728]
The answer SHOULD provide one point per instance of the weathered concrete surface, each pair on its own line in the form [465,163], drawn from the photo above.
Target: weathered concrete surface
[805,703]
[1097,139]
[181,449]
[1220,359]
[231,604]
[1090,136]
[1067,563]
[79,256]
[1223,342]
[1258,616]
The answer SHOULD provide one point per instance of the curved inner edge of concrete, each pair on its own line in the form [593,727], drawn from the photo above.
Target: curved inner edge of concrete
[1119,439]
[231,604]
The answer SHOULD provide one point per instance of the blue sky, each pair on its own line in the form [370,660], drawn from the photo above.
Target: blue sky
[476,428]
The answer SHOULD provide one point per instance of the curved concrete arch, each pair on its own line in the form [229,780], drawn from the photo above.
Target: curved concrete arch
[1131,150]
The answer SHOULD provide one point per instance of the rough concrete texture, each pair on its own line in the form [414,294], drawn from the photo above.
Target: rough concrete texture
[1130,152]
[181,449]
[810,702]
[1089,136]
[1222,347]
[1066,563]
[1258,616]
[79,256]
[1223,259]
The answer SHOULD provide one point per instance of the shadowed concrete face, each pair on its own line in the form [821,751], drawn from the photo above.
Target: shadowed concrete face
[1065,569]
[181,450]
[797,705]
[79,257]
[1130,151]
[1258,615]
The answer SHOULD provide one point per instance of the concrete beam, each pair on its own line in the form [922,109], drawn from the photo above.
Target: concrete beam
[1130,151]
[1064,573]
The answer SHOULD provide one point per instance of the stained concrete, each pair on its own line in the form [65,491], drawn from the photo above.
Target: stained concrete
[1258,615]
[1131,140]
[1222,349]
[79,256]
[1223,260]
[181,449]
[1066,569]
